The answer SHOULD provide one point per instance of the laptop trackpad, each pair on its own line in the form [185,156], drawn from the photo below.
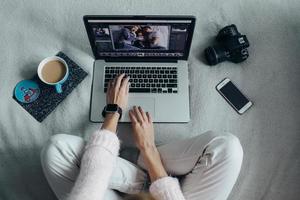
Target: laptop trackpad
[147,104]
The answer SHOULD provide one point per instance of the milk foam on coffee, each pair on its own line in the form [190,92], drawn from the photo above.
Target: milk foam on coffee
[53,71]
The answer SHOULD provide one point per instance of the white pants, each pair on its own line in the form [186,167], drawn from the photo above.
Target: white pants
[207,166]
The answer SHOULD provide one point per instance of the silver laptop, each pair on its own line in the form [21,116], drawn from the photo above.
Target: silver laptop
[153,51]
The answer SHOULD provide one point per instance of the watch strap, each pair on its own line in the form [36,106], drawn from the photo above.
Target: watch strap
[118,111]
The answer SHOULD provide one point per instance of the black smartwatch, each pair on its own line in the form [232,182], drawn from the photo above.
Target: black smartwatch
[112,108]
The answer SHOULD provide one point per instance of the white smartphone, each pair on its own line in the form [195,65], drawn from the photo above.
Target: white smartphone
[234,96]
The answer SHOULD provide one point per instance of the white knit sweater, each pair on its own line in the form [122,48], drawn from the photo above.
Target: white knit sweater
[97,165]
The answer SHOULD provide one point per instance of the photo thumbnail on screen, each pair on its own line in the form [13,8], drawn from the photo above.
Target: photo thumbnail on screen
[102,39]
[140,37]
[101,33]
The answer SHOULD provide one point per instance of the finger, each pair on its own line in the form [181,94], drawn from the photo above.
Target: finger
[138,114]
[118,81]
[113,81]
[109,85]
[132,117]
[127,88]
[109,89]
[149,117]
[143,114]
[124,84]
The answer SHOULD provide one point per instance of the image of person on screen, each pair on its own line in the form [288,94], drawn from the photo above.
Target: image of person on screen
[151,38]
[136,37]
[101,33]
[127,37]
[139,40]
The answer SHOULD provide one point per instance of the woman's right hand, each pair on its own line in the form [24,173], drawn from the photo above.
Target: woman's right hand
[117,91]
[142,126]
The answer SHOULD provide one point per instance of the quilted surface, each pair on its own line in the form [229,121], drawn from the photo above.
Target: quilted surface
[269,132]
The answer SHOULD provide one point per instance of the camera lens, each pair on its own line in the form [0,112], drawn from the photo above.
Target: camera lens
[215,55]
[211,56]
[227,32]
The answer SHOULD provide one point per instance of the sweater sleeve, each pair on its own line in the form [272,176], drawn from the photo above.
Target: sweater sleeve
[96,166]
[166,188]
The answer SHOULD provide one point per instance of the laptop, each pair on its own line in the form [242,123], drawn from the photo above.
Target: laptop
[153,52]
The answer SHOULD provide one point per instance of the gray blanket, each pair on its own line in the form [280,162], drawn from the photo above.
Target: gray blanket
[269,132]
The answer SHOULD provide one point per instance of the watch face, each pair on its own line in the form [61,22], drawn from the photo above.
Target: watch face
[111,108]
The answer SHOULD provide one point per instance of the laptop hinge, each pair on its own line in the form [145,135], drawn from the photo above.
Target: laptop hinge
[140,60]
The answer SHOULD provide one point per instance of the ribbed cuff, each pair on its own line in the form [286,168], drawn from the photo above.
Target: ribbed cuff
[164,182]
[105,139]
[165,188]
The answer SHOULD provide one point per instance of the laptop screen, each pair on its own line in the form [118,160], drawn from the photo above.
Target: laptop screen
[136,38]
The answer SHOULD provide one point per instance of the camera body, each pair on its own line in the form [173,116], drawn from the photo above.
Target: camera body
[231,46]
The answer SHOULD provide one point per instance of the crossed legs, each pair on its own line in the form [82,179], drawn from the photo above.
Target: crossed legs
[208,166]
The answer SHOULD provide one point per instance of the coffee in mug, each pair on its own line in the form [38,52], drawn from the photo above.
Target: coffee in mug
[53,71]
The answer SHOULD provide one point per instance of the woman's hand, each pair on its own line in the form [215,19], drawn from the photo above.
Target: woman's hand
[142,126]
[143,132]
[117,91]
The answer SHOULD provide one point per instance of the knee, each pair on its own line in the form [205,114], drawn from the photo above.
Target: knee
[227,147]
[233,146]
[52,149]
[58,138]
[55,142]
[232,149]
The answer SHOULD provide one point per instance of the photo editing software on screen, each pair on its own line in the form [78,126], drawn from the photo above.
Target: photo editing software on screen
[145,38]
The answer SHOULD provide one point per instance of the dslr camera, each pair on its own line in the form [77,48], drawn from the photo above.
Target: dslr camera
[231,46]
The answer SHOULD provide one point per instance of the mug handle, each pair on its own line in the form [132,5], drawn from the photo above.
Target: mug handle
[58,88]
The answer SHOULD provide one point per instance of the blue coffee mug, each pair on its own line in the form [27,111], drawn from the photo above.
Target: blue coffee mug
[57,84]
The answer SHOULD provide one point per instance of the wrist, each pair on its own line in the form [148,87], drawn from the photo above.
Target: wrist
[112,109]
[112,115]
[154,163]
[111,122]
[150,153]
[147,148]
[116,103]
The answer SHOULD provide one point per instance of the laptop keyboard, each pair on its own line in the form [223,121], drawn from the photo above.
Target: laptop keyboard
[145,79]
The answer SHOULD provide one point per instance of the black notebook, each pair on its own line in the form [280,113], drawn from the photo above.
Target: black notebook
[49,99]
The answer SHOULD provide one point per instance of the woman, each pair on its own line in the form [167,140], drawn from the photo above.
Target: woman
[203,167]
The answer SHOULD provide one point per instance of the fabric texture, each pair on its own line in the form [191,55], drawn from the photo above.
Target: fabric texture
[207,165]
[269,132]
[166,188]
[96,167]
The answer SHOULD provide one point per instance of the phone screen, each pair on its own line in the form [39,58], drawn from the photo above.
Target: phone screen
[234,95]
